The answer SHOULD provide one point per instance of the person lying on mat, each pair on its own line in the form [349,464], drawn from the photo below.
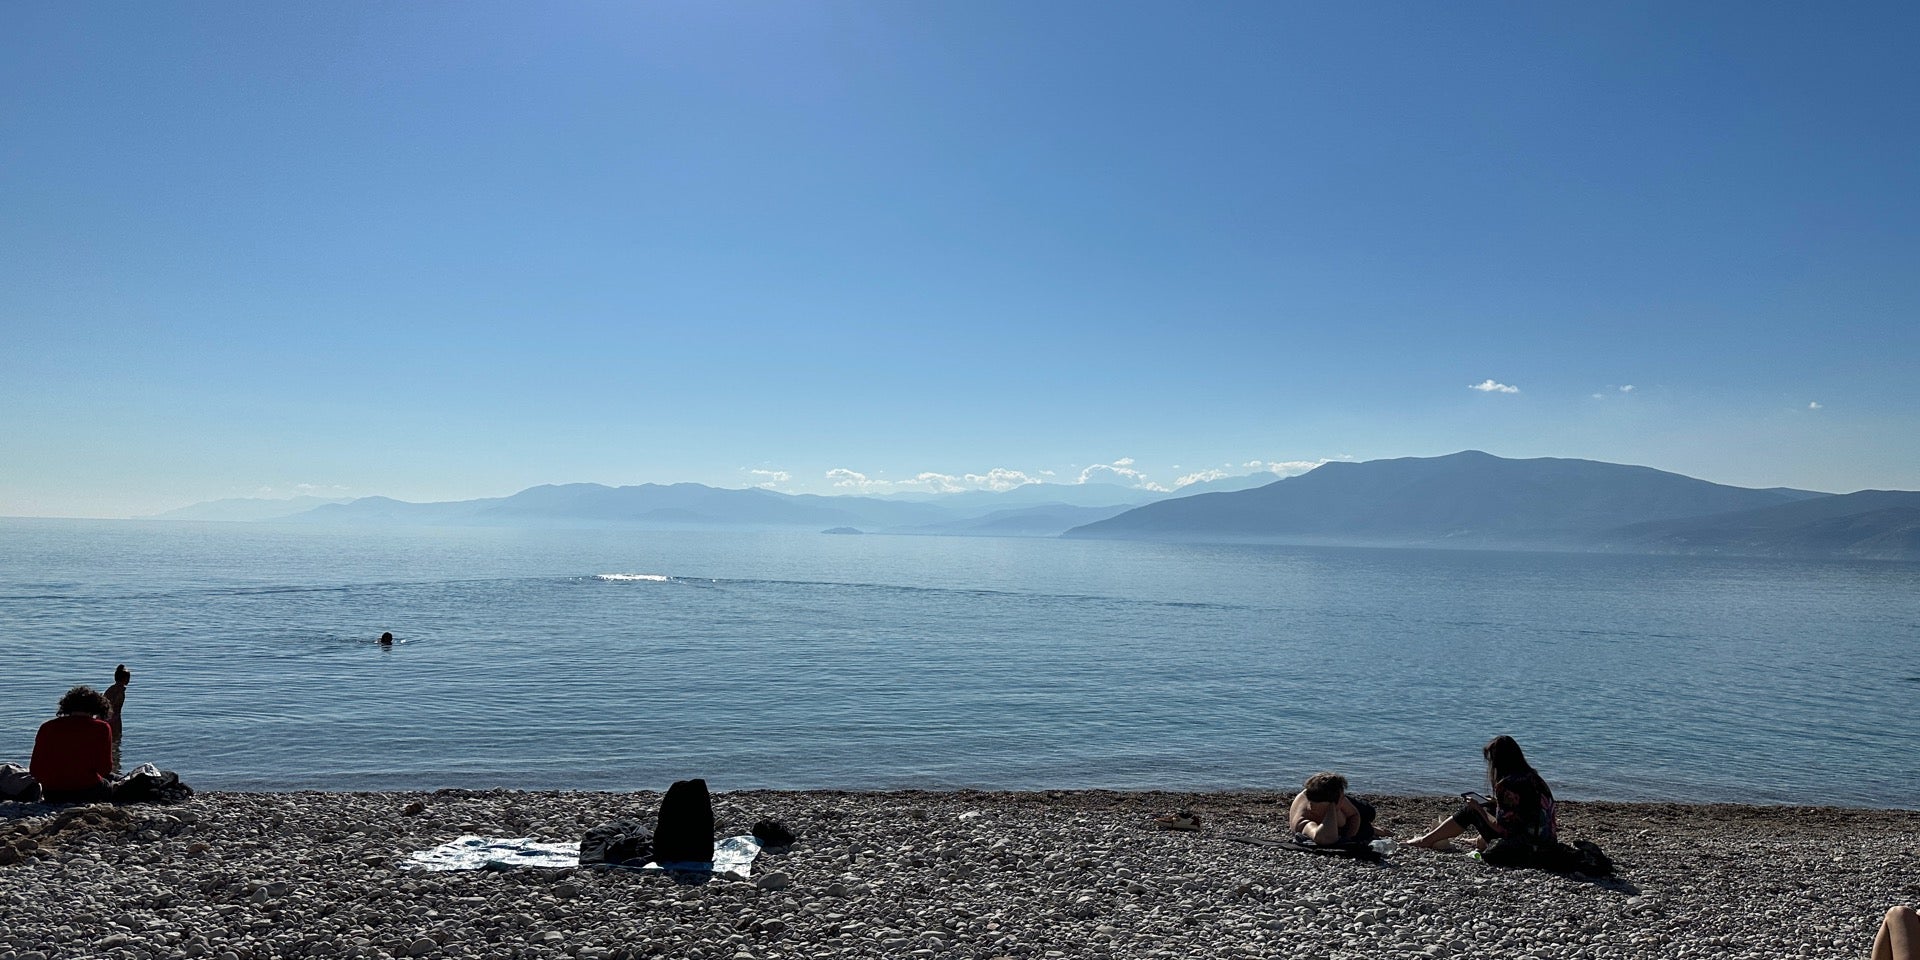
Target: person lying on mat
[1325,814]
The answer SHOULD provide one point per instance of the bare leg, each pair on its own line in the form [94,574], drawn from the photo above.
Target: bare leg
[1899,936]
[1437,837]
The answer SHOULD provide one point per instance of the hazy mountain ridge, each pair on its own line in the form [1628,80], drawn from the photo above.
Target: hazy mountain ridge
[1045,520]
[1028,510]
[246,509]
[1468,499]
[1036,495]
[1870,524]
[1468,496]
[1475,499]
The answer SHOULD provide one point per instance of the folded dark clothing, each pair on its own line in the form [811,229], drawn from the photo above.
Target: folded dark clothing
[621,841]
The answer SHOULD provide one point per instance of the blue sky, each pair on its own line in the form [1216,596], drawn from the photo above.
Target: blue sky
[437,251]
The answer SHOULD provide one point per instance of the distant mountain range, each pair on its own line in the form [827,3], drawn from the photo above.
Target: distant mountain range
[1030,510]
[247,509]
[1474,499]
[1883,524]
[1469,500]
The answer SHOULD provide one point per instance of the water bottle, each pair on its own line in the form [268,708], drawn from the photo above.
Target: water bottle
[1385,846]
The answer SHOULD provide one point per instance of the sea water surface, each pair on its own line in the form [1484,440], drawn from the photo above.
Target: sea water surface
[621,659]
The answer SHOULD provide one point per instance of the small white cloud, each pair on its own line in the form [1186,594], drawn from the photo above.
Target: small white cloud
[1490,386]
[768,479]
[1293,468]
[1814,405]
[1124,471]
[936,482]
[996,479]
[1200,477]
[1599,396]
[999,479]
[1627,389]
[842,477]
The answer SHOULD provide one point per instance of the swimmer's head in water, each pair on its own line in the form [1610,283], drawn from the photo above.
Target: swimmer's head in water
[387,639]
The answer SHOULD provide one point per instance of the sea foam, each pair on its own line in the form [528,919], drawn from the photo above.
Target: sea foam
[654,577]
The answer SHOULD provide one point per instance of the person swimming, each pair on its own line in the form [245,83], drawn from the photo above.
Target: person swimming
[386,639]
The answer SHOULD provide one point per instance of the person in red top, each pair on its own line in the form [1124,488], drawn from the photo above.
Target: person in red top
[73,753]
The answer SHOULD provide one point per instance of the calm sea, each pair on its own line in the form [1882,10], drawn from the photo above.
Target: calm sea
[627,659]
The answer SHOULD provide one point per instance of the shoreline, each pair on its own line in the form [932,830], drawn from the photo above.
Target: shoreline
[1238,794]
[960,873]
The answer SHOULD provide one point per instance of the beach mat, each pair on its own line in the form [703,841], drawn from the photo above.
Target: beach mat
[1347,851]
[732,857]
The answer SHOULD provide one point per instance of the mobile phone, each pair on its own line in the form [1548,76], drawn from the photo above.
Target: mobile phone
[1476,798]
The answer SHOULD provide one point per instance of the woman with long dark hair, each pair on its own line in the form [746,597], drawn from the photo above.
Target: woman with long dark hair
[1521,821]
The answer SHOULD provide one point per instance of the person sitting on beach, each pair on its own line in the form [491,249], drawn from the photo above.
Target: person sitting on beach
[1325,814]
[1899,936]
[73,752]
[117,698]
[1522,818]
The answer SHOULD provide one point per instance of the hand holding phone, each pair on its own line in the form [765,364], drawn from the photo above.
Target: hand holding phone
[1472,797]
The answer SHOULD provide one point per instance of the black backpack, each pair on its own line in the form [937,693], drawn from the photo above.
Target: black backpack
[1582,856]
[772,833]
[684,832]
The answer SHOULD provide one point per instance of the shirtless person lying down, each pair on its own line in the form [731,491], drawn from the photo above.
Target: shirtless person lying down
[1324,814]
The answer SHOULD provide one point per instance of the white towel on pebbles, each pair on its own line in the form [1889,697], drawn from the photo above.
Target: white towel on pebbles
[492,853]
[732,857]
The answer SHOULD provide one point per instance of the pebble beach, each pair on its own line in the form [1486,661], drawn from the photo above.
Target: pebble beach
[1061,874]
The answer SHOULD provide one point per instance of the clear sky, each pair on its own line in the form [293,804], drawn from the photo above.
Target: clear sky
[446,250]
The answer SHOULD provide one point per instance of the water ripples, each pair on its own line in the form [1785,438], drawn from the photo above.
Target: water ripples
[877,662]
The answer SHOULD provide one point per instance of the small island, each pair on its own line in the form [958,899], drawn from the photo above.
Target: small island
[841,530]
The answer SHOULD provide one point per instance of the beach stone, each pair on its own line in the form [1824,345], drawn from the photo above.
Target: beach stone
[775,880]
[1063,882]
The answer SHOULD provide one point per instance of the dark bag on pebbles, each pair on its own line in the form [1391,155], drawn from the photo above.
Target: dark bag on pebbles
[684,832]
[618,842]
[1584,856]
[150,784]
[772,833]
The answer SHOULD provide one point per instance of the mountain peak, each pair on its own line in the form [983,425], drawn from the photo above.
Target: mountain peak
[1469,498]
